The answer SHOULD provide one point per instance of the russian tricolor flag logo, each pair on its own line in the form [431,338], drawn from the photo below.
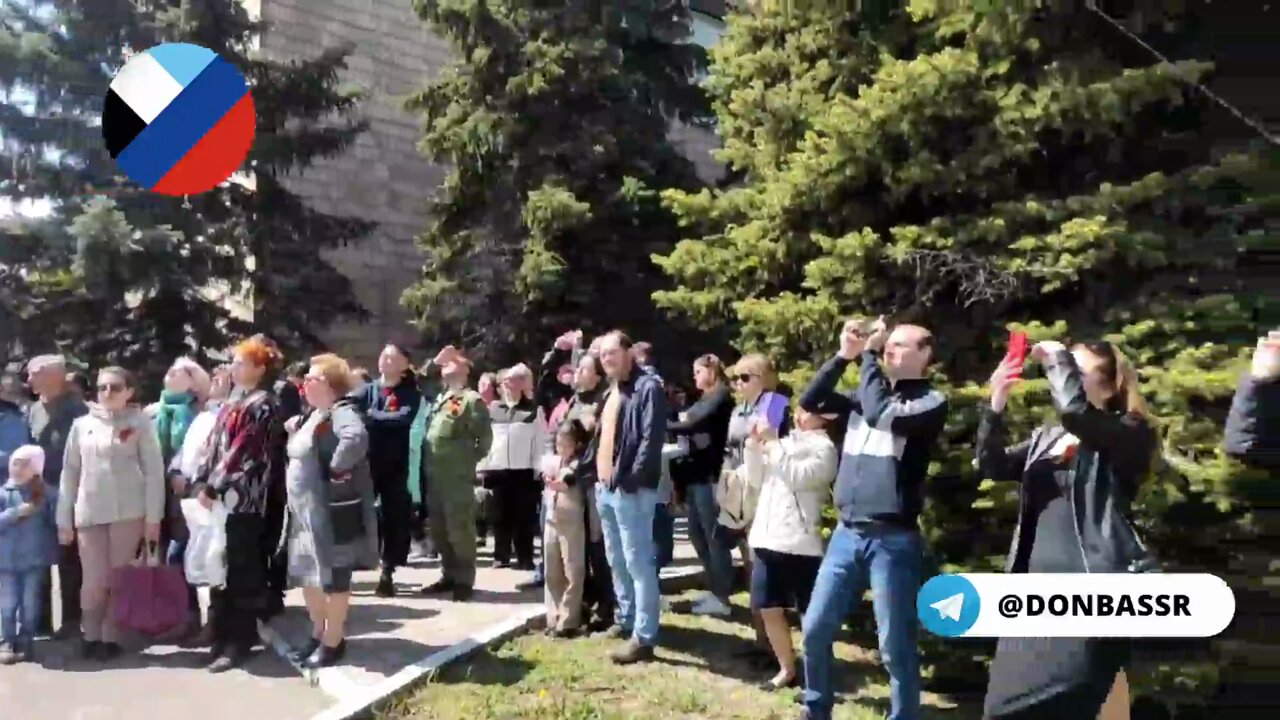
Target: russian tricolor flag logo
[178,119]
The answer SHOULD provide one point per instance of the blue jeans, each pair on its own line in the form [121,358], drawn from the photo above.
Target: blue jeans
[664,540]
[626,520]
[716,557]
[888,559]
[20,595]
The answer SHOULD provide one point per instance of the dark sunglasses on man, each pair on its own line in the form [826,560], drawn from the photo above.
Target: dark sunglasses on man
[110,388]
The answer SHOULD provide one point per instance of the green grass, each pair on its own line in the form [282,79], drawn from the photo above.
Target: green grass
[696,676]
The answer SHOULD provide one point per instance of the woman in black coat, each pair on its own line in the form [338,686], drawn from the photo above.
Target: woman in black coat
[1078,480]
[705,428]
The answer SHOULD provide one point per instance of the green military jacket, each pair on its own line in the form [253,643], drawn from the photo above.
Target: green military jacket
[458,433]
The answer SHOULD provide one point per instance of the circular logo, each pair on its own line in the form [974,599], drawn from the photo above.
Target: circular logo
[178,119]
[948,605]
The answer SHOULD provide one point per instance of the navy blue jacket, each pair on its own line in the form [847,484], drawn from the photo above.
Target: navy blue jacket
[14,433]
[891,432]
[642,429]
[1253,426]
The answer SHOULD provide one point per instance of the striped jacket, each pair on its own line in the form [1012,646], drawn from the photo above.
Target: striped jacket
[891,432]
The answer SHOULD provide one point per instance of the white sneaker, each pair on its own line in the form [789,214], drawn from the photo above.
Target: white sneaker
[711,606]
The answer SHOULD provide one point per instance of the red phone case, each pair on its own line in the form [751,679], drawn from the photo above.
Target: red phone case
[1018,350]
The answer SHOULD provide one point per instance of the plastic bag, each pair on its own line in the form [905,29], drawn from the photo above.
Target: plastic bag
[206,558]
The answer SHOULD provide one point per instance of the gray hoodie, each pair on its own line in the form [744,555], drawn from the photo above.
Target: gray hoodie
[112,471]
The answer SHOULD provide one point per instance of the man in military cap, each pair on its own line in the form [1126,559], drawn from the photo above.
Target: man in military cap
[458,436]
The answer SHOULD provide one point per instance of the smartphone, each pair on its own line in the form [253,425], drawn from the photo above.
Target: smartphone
[1018,350]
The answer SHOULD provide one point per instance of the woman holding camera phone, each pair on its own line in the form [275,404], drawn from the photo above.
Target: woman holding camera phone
[1078,479]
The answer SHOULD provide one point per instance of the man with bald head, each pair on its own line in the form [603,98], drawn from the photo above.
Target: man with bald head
[895,418]
[51,417]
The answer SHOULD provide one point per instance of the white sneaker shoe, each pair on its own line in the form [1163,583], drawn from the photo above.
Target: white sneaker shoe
[711,606]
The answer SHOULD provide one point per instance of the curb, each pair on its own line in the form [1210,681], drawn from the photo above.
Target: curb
[358,702]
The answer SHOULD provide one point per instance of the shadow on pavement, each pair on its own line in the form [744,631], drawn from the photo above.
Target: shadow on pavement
[65,657]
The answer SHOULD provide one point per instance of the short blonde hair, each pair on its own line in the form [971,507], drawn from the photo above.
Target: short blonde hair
[757,364]
[337,373]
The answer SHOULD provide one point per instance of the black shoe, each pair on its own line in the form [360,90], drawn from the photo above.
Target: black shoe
[614,632]
[109,651]
[502,564]
[325,656]
[300,655]
[386,588]
[463,594]
[526,565]
[70,630]
[599,625]
[565,633]
[440,586]
[771,686]
[232,658]
[89,649]
[216,651]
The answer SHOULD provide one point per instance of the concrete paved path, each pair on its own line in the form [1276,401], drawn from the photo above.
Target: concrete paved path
[388,640]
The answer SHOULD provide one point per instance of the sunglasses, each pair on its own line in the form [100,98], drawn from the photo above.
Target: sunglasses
[744,378]
[110,388]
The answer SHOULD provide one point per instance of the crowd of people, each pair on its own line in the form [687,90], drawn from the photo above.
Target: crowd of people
[328,470]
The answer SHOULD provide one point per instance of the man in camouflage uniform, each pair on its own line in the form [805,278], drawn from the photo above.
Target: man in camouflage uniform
[458,436]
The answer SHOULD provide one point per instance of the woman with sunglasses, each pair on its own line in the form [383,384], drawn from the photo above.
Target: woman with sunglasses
[111,497]
[1100,449]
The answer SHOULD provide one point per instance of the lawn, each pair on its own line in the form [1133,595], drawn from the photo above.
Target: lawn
[697,675]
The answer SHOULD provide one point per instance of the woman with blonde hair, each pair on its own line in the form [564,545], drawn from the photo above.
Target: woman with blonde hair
[1077,481]
[332,523]
[754,380]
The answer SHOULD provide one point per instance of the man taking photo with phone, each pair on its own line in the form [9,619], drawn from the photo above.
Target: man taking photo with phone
[894,420]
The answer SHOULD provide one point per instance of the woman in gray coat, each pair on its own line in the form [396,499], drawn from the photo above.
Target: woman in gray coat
[332,525]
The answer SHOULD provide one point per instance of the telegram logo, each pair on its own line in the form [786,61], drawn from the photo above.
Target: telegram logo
[948,605]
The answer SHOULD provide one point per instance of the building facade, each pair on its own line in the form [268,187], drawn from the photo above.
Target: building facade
[383,177]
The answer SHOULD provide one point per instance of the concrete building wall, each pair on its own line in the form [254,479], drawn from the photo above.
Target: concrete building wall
[383,177]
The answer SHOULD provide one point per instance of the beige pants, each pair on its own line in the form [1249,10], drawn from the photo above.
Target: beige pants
[104,548]
[564,543]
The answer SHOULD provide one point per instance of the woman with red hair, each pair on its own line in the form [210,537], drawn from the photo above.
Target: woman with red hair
[237,473]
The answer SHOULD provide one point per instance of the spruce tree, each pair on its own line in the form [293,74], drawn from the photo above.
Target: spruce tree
[977,170]
[553,122]
[134,278]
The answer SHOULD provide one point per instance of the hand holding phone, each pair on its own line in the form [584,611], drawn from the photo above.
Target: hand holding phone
[1017,352]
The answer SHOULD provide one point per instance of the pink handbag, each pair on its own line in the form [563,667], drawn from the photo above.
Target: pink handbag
[148,597]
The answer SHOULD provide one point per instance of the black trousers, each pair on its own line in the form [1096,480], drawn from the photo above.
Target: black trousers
[516,500]
[598,601]
[235,609]
[395,513]
[276,557]
[234,622]
[69,578]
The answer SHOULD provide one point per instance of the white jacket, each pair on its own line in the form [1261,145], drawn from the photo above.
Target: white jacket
[519,437]
[112,470]
[195,444]
[794,475]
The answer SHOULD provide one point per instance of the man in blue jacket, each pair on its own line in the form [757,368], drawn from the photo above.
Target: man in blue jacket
[626,455]
[14,432]
[894,420]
